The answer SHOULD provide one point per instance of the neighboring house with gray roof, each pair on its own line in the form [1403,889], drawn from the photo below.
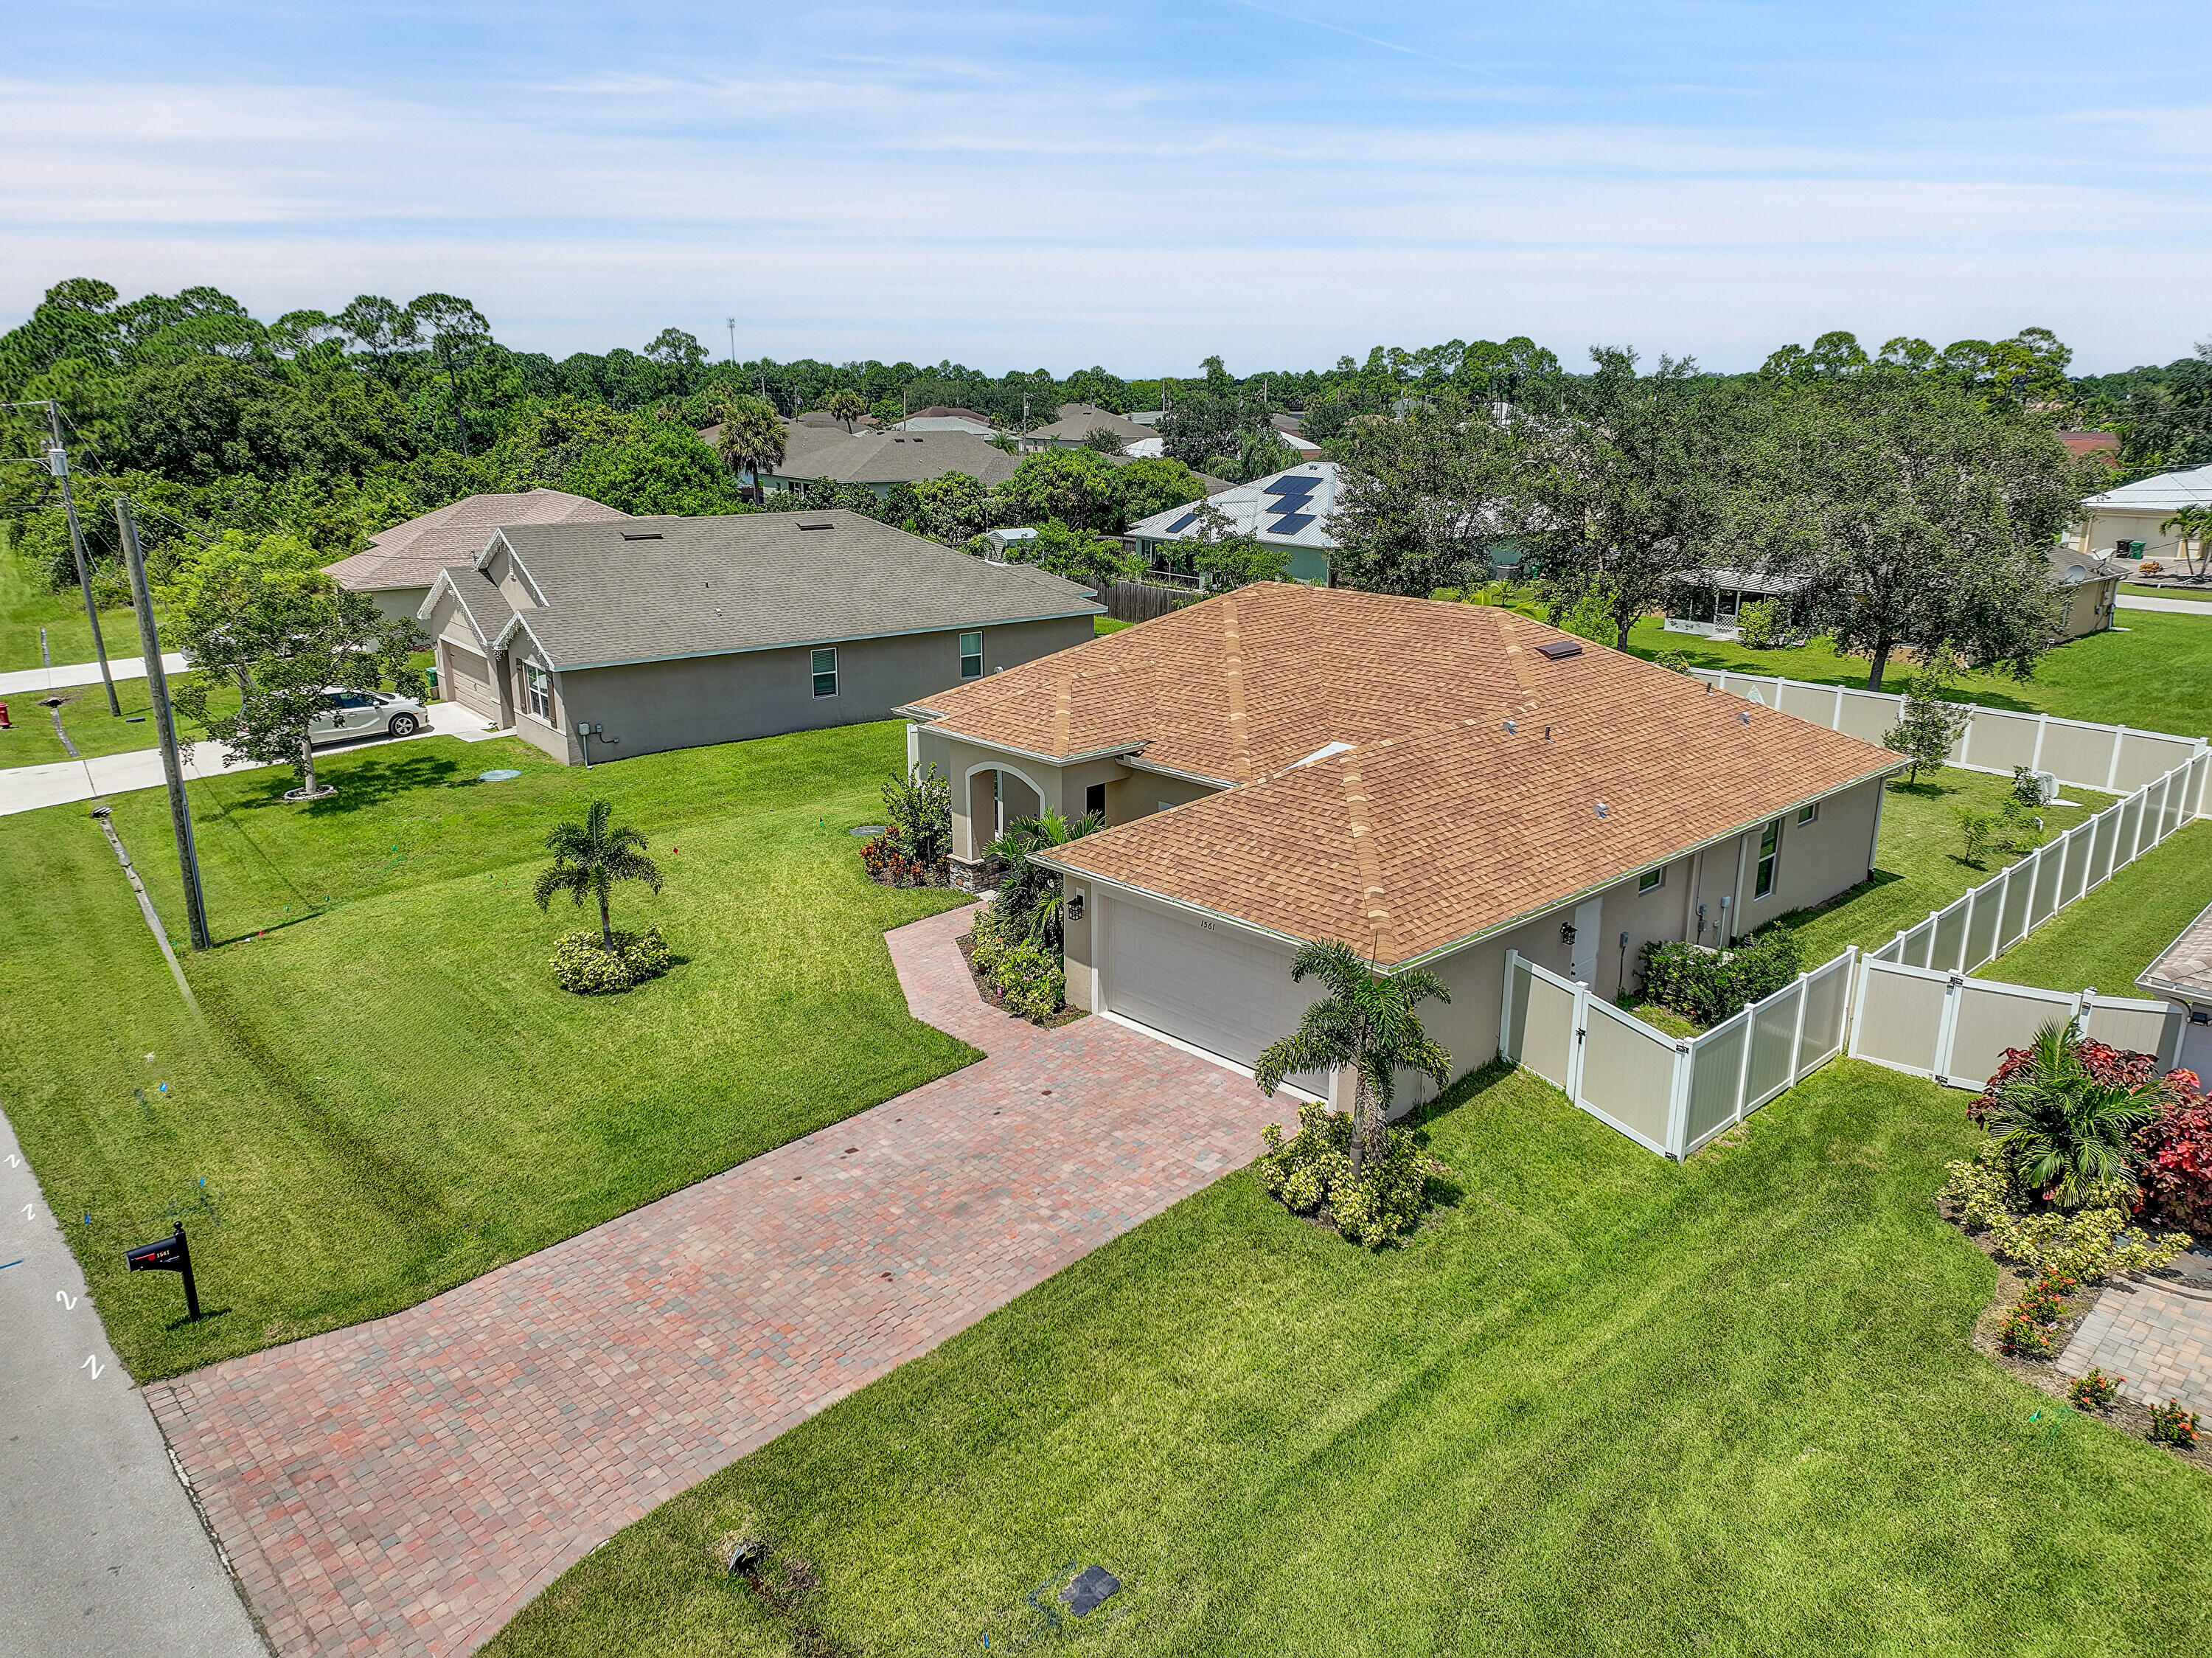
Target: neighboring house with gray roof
[667,632]
[948,418]
[876,459]
[1289,509]
[1075,424]
[398,565]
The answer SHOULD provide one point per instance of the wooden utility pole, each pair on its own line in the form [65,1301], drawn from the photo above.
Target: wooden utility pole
[57,464]
[165,725]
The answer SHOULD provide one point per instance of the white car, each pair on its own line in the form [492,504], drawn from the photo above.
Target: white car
[365,714]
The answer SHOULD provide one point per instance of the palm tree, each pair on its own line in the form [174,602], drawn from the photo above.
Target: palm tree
[591,856]
[845,406]
[2195,524]
[751,441]
[1028,894]
[1366,1025]
[2066,1133]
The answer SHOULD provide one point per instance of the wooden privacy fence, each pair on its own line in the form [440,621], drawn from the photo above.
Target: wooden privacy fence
[1908,1005]
[2114,758]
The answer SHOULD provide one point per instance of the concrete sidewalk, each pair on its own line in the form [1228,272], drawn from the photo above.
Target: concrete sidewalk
[27,788]
[100,1551]
[2171,607]
[29,681]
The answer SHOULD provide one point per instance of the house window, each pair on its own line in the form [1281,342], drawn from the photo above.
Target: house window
[538,686]
[1094,800]
[825,672]
[1807,813]
[971,655]
[1650,880]
[1770,845]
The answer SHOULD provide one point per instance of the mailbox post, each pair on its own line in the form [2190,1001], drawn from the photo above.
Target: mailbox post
[170,1255]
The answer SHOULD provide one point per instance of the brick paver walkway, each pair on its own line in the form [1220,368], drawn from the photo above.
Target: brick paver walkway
[405,1486]
[2160,1338]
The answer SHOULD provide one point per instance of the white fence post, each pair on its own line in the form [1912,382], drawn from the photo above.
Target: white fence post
[1797,1036]
[1677,1104]
[1743,1068]
[1947,1029]
[2113,771]
[2042,725]
[1581,1035]
[1505,1007]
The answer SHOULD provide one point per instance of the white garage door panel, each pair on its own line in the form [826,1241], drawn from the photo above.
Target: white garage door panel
[1214,988]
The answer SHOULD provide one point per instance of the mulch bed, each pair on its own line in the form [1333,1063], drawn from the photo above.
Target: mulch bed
[991,998]
[2042,1374]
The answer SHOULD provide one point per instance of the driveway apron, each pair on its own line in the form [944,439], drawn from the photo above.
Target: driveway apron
[408,1485]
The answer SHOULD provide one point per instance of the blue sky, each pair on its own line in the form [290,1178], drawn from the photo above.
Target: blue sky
[1139,184]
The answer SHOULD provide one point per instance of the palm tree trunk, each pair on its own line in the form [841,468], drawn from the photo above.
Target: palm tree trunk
[606,926]
[1360,1109]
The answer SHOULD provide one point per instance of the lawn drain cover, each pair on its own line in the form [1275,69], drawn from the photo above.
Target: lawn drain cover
[1091,1586]
[505,774]
[871,830]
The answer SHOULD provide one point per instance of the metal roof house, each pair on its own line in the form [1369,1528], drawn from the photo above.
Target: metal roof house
[598,641]
[1289,510]
[2125,521]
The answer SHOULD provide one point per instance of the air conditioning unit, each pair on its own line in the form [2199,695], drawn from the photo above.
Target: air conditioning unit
[2046,786]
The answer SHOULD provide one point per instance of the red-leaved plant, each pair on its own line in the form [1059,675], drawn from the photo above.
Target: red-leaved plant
[2176,1147]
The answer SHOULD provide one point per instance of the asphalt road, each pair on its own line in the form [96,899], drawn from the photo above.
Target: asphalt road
[101,1554]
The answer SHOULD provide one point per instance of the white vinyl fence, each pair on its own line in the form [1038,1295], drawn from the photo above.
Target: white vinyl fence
[1908,1005]
[2114,758]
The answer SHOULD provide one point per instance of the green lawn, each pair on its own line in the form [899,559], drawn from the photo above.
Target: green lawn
[28,603]
[2108,937]
[2154,671]
[1919,865]
[1600,1404]
[2145,590]
[387,1095]
[90,726]
[1101,625]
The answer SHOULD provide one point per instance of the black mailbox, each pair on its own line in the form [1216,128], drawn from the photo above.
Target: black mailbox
[170,1255]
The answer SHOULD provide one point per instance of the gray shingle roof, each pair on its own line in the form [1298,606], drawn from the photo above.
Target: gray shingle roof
[412,554]
[898,458]
[1078,421]
[611,598]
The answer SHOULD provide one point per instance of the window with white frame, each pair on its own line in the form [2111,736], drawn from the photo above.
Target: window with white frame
[1807,813]
[537,690]
[1769,854]
[825,672]
[971,655]
[1650,880]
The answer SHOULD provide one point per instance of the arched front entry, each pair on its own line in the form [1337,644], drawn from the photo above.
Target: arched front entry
[996,795]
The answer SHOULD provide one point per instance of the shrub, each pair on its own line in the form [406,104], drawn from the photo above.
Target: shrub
[2096,1391]
[916,847]
[2031,1328]
[1674,660]
[1030,980]
[1927,725]
[2013,830]
[2087,1245]
[582,962]
[2025,789]
[1710,985]
[2172,1425]
[1311,1174]
[1758,626]
[2175,1150]
[990,938]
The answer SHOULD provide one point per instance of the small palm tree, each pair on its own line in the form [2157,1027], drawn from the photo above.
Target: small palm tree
[846,406]
[2065,1132]
[1366,1025]
[2195,524]
[751,441]
[591,856]
[1029,894]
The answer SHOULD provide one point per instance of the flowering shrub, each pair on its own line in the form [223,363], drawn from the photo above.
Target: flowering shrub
[1710,985]
[2031,1327]
[582,962]
[1311,1173]
[2176,1147]
[2087,1244]
[2096,1391]
[2172,1425]
[1026,977]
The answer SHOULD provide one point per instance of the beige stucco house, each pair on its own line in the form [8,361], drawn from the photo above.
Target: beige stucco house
[2089,586]
[2125,522]
[607,641]
[1432,784]
[399,564]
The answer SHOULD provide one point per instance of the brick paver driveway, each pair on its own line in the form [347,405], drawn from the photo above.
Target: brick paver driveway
[405,1486]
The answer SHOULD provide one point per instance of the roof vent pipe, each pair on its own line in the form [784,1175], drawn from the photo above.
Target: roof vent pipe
[1744,715]
[1601,809]
[1548,734]
[1510,727]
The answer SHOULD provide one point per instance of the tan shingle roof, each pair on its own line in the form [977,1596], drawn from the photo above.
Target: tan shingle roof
[412,554]
[1437,824]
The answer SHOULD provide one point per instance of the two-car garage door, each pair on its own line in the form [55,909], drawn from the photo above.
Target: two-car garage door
[1199,981]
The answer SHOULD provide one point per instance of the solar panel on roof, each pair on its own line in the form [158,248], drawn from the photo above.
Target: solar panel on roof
[1290,523]
[1181,523]
[1291,486]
